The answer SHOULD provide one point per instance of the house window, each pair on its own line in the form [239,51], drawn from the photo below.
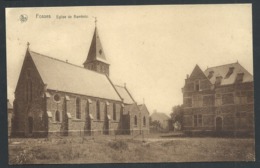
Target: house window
[114,111]
[208,100]
[98,110]
[197,120]
[197,85]
[228,98]
[135,120]
[78,114]
[239,77]
[187,102]
[57,116]
[87,109]
[144,121]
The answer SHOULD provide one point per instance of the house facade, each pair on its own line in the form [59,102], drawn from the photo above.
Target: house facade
[219,99]
[56,97]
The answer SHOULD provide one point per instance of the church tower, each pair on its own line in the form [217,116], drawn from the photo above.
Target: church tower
[96,60]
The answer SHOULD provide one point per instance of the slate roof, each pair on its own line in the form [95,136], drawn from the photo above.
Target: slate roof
[124,94]
[96,52]
[63,76]
[223,70]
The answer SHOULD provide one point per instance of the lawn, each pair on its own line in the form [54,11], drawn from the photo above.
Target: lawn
[125,149]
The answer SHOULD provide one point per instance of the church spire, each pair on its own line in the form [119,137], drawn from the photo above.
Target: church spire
[96,59]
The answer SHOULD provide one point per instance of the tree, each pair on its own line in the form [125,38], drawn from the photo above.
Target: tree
[177,114]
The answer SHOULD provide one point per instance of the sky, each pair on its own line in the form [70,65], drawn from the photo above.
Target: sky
[150,48]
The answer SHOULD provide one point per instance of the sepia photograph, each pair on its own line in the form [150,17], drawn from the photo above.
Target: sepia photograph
[130,84]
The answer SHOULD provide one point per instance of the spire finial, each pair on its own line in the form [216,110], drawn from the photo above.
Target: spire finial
[28,44]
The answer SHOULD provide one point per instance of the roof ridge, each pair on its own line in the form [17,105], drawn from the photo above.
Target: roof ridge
[221,65]
[120,86]
[63,61]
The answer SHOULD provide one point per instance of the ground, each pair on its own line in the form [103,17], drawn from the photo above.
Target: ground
[125,149]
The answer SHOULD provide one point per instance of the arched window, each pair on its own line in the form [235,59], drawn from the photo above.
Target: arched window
[98,110]
[114,111]
[78,114]
[144,121]
[135,120]
[57,116]
[87,109]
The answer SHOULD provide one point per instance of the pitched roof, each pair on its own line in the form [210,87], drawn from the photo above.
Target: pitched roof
[159,116]
[143,108]
[228,79]
[130,108]
[63,76]
[96,52]
[124,94]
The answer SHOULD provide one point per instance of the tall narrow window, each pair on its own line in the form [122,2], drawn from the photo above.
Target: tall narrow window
[87,109]
[114,111]
[29,90]
[197,85]
[135,120]
[144,121]
[98,110]
[57,116]
[78,114]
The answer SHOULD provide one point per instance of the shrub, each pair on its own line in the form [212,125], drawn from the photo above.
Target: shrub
[118,145]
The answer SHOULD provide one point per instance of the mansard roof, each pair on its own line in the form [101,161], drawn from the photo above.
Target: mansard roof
[124,94]
[62,76]
[96,52]
[223,70]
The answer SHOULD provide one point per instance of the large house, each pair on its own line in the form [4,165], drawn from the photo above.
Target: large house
[220,98]
[56,97]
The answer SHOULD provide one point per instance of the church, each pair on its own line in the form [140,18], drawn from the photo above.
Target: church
[219,99]
[56,97]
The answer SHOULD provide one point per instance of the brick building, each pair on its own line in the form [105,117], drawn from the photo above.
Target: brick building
[220,98]
[57,97]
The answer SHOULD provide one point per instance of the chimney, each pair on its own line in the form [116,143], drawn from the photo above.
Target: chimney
[218,80]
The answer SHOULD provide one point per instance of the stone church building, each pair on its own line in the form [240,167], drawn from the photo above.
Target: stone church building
[56,97]
[220,98]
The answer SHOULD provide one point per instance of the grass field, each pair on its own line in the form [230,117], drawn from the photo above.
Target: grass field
[124,150]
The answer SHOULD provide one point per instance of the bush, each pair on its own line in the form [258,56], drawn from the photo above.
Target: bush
[118,145]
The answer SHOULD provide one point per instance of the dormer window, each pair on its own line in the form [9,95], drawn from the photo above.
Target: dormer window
[230,71]
[211,73]
[239,78]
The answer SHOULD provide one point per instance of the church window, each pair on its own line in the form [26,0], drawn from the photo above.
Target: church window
[29,91]
[135,120]
[114,111]
[57,116]
[144,121]
[56,98]
[98,110]
[78,114]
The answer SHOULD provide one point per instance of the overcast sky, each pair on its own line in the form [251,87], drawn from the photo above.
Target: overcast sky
[150,48]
